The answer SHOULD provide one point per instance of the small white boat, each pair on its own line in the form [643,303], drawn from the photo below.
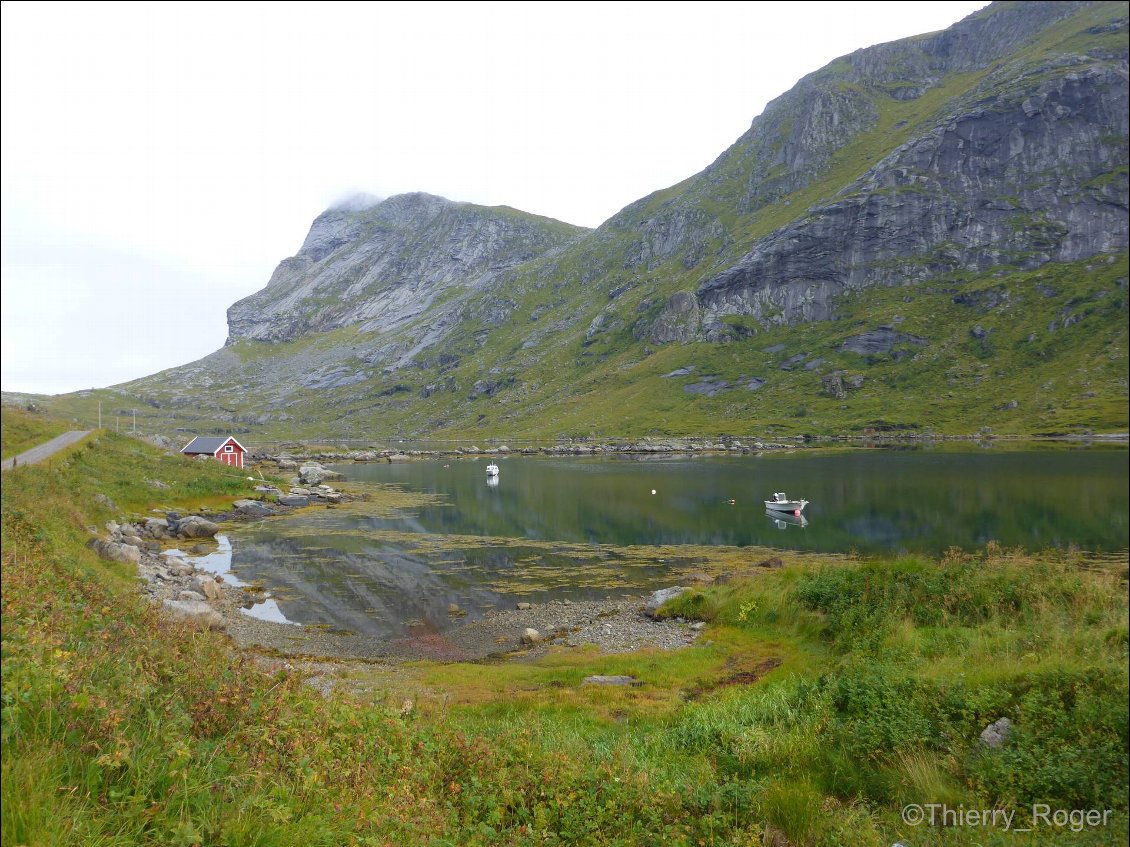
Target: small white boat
[492,469]
[782,503]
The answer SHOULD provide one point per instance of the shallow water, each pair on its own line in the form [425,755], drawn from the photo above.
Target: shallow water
[389,576]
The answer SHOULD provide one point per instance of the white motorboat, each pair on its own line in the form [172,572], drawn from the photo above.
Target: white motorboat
[782,503]
[492,469]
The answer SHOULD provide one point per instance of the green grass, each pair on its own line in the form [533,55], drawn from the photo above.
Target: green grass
[22,429]
[822,697]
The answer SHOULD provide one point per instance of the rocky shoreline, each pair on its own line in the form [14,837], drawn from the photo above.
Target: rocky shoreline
[182,584]
[291,455]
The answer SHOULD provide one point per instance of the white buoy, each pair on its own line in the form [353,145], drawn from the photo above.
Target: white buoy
[653,491]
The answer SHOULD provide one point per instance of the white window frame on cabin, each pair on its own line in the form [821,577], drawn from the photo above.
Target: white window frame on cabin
[228,448]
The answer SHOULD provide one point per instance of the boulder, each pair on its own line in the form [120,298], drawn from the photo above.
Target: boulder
[195,526]
[294,500]
[133,541]
[177,566]
[996,733]
[657,599]
[103,500]
[157,527]
[313,473]
[774,562]
[530,636]
[115,552]
[208,587]
[194,611]
[523,607]
[611,680]
[189,594]
[252,507]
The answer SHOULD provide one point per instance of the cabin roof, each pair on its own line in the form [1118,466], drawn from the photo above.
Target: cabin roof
[209,444]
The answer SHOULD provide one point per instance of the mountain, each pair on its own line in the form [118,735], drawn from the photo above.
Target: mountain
[929,234]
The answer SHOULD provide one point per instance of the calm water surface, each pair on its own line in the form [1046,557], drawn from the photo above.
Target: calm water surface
[387,577]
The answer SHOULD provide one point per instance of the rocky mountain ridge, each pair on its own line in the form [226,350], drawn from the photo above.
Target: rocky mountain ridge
[381,266]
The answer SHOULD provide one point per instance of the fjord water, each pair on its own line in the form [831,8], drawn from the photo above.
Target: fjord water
[389,576]
[871,501]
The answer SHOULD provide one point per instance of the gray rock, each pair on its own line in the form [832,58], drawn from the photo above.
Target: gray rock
[658,598]
[833,385]
[209,588]
[313,474]
[996,733]
[194,611]
[188,594]
[754,383]
[133,541]
[112,550]
[103,500]
[611,680]
[881,340]
[522,607]
[294,500]
[685,371]
[157,527]
[195,526]
[531,636]
[253,508]
[678,321]
[708,387]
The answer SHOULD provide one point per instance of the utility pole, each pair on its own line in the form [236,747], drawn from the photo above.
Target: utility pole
[134,421]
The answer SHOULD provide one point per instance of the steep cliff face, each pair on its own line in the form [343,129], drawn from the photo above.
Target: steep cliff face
[382,266]
[1024,164]
[1033,176]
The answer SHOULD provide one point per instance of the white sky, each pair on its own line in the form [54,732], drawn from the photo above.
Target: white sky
[159,159]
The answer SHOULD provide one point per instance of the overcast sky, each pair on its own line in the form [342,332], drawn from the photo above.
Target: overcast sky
[159,159]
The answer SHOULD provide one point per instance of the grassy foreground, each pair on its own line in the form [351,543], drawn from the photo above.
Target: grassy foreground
[822,698]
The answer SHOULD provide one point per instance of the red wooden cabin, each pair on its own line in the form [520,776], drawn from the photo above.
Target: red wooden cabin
[226,449]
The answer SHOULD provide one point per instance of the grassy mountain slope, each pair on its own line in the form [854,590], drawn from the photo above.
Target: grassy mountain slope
[954,205]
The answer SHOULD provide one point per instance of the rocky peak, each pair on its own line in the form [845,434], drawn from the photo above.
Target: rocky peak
[383,264]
